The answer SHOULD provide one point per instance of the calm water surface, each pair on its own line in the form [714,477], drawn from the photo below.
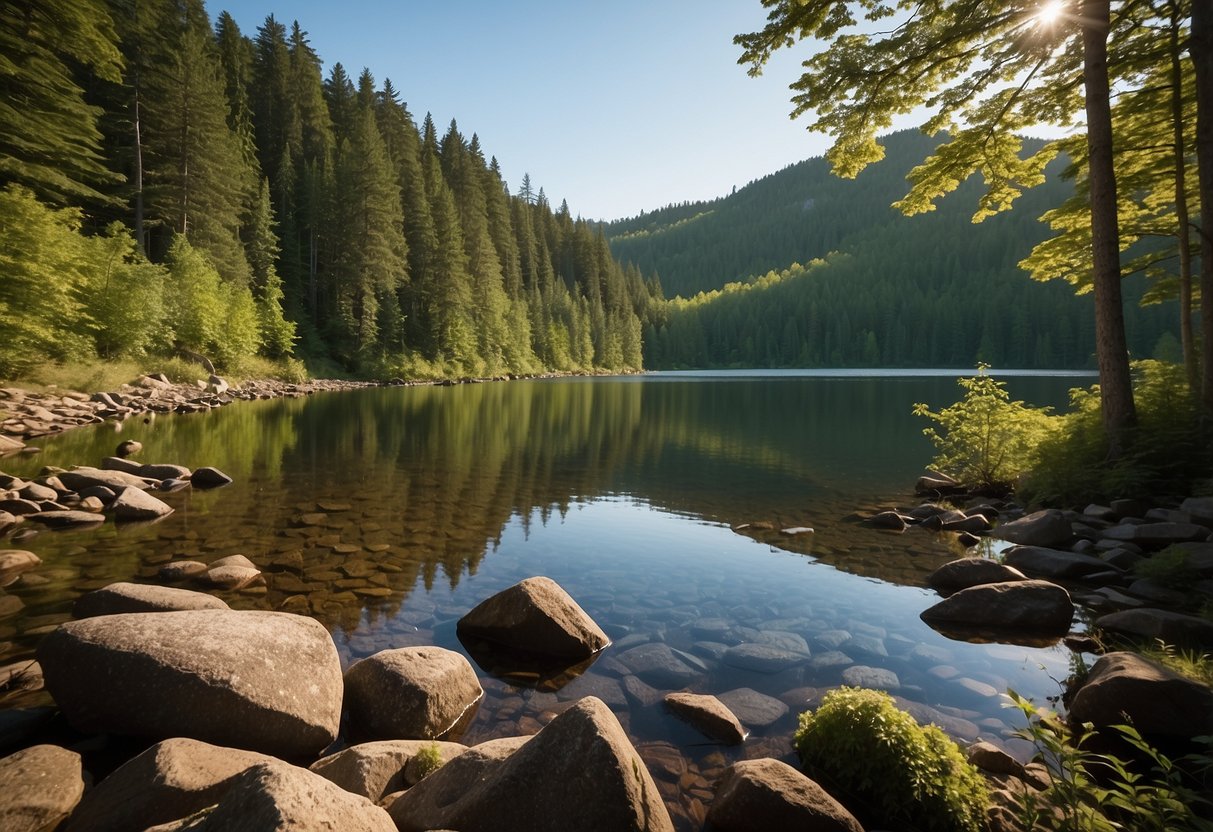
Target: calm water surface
[389,513]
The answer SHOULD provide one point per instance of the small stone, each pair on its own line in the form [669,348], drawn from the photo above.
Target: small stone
[709,715]
[207,477]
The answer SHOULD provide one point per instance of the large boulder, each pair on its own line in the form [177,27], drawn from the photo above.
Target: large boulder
[123,597]
[1125,687]
[768,794]
[265,681]
[1033,606]
[1156,535]
[1053,563]
[412,693]
[274,796]
[136,504]
[967,572]
[376,769]
[580,772]
[1153,624]
[41,787]
[170,780]
[1041,528]
[535,616]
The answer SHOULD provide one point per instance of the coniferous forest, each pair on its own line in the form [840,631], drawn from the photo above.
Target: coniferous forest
[805,269]
[173,184]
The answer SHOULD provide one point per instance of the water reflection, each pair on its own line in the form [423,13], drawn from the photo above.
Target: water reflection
[388,514]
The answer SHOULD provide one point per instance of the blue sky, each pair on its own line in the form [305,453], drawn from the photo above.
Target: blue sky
[615,105]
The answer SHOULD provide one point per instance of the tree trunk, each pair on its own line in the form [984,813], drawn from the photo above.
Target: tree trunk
[1186,339]
[1115,386]
[1201,49]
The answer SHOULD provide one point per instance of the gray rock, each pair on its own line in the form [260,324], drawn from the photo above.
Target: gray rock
[1031,606]
[536,616]
[1158,702]
[172,779]
[763,658]
[640,694]
[42,785]
[768,794]
[708,715]
[1201,508]
[129,447]
[889,520]
[1053,563]
[757,710]
[136,504]
[966,572]
[1150,624]
[180,570]
[1049,527]
[376,769]
[604,786]
[37,493]
[222,676]
[273,796]
[126,597]
[658,665]
[878,678]
[410,693]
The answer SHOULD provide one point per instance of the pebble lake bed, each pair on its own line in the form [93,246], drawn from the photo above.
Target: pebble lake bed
[706,522]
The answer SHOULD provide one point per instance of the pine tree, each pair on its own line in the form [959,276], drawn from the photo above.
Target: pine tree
[49,139]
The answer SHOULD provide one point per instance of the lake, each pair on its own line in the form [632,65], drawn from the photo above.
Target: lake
[657,501]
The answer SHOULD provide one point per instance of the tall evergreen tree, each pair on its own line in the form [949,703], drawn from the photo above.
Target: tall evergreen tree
[49,139]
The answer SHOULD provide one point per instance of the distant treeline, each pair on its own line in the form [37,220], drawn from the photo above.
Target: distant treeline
[168,184]
[803,269]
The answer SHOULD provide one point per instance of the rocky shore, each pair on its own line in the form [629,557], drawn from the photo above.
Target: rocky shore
[246,719]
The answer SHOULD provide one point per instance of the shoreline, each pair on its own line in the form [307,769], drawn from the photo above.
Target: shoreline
[29,414]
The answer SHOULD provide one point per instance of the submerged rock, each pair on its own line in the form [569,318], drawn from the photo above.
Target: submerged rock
[265,681]
[709,715]
[14,562]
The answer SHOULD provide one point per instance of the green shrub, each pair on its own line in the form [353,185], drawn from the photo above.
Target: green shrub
[1169,568]
[870,754]
[428,759]
[1100,792]
[985,440]
[1167,452]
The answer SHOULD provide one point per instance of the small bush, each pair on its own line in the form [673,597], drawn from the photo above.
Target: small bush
[870,754]
[1168,452]
[985,440]
[428,760]
[1169,568]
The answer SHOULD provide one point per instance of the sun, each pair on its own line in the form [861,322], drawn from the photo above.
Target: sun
[1050,12]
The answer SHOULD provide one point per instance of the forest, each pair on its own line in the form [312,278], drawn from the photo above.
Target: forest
[805,269]
[172,186]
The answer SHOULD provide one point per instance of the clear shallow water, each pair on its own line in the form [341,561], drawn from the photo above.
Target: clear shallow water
[387,514]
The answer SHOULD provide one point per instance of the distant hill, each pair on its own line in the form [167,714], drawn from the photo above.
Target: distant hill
[890,290]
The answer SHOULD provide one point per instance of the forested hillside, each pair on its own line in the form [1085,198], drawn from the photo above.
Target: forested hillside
[803,269]
[167,184]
